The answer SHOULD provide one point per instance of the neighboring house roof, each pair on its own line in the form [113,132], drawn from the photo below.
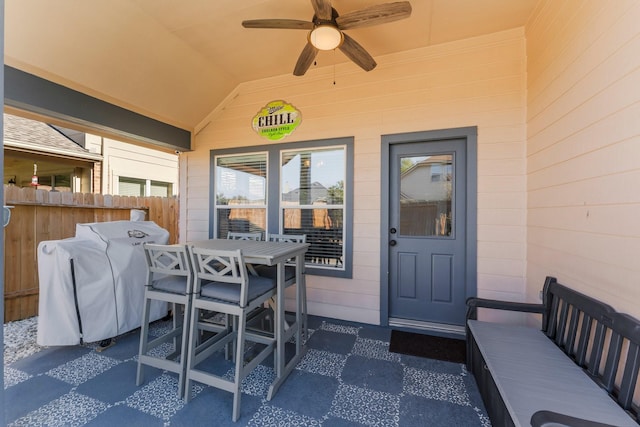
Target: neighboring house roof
[318,192]
[430,160]
[36,137]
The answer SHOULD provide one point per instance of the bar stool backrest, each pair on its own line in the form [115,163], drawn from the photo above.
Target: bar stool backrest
[232,235]
[170,260]
[295,238]
[218,266]
[212,265]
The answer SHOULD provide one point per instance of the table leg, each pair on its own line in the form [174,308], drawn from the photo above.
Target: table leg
[283,369]
[299,314]
[280,320]
[301,297]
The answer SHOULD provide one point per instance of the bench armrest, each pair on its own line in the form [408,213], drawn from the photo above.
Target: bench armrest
[473,303]
[554,419]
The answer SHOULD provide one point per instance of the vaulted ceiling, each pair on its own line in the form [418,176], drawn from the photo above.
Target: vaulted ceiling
[175,61]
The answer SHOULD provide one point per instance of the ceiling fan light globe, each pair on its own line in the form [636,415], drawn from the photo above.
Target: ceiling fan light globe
[326,37]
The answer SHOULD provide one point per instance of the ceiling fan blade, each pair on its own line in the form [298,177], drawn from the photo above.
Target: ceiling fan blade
[287,24]
[305,59]
[374,15]
[357,54]
[323,9]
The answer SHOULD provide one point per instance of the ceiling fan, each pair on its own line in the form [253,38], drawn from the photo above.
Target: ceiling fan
[326,30]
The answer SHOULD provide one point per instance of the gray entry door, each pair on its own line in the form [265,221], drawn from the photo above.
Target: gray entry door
[427,233]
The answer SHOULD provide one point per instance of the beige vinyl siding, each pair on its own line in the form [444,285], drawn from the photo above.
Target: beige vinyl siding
[583,150]
[476,82]
[194,195]
[131,161]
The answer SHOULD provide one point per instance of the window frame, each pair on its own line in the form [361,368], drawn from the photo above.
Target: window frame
[146,186]
[168,186]
[141,183]
[274,207]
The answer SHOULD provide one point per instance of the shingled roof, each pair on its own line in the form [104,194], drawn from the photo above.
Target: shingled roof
[38,137]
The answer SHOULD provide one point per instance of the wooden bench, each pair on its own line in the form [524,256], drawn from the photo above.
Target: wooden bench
[580,369]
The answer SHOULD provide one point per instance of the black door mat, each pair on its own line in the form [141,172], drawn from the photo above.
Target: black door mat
[440,348]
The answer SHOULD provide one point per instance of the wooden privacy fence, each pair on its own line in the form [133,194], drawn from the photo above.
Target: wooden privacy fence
[39,215]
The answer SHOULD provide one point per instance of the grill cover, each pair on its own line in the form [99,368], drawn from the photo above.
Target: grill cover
[110,274]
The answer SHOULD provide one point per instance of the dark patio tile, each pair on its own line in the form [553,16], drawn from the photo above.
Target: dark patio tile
[117,383]
[374,374]
[122,415]
[335,342]
[307,394]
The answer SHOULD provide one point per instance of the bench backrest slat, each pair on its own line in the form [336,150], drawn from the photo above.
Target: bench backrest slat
[613,360]
[572,333]
[597,349]
[583,341]
[550,327]
[562,324]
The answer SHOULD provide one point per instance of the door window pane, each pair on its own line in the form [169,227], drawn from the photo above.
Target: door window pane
[426,191]
[241,193]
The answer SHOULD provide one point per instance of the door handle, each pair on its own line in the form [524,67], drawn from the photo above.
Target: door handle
[393,230]
[392,243]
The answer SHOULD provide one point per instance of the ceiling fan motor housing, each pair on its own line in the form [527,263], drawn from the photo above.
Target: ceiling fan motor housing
[326,30]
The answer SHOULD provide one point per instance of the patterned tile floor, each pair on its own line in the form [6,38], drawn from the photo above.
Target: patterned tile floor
[348,377]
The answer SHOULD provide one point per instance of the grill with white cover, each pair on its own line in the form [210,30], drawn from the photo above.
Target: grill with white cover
[109,272]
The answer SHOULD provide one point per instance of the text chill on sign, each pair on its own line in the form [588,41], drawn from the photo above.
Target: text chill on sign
[276,120]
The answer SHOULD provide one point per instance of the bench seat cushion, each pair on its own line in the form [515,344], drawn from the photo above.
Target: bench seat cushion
[533,374]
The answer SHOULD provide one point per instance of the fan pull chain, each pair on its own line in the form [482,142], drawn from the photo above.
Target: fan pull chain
[334,67]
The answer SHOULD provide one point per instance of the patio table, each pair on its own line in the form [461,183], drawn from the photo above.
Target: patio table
[274,253]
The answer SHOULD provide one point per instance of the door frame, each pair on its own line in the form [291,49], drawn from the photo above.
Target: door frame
[470,136]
